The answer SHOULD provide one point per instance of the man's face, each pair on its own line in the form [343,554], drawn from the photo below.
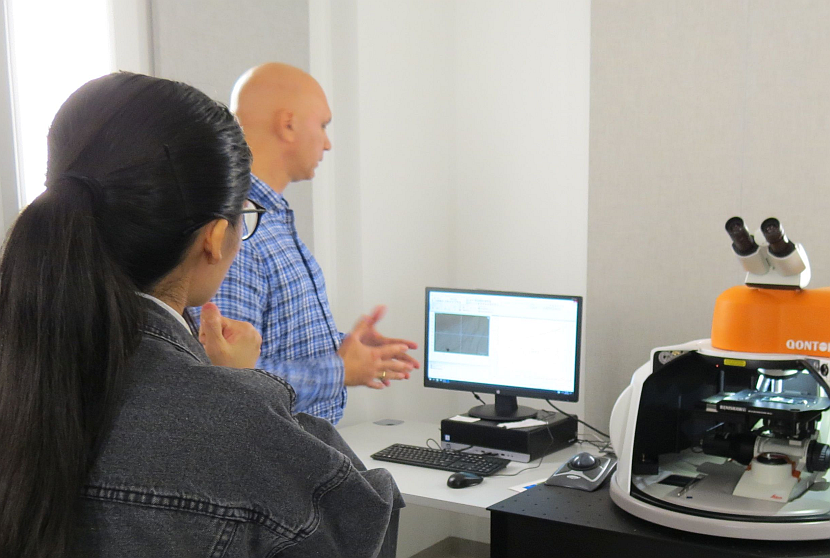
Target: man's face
[312,139]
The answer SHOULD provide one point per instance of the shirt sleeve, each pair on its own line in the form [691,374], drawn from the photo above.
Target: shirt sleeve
[244,296]
[314,379]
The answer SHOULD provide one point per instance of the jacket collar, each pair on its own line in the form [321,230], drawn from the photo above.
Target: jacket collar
[160,324]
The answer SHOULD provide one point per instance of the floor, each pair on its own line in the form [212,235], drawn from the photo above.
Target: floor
[454,547]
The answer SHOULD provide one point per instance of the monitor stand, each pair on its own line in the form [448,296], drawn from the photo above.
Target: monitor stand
[505,409]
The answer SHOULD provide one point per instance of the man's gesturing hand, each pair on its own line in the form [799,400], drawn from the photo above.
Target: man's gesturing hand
[373,360]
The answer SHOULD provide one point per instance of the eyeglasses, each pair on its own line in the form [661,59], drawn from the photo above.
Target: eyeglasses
[251,216]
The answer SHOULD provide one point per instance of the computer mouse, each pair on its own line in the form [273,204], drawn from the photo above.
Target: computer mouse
[463,480]
[583,461]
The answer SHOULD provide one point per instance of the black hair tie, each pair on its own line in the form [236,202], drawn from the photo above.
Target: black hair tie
[92,185]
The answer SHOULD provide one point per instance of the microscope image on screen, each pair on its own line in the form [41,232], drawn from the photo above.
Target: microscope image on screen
[462,334]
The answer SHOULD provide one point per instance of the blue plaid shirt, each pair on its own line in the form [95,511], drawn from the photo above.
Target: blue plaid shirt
[276,284]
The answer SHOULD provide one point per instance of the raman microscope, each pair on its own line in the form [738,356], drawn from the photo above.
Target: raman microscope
[728,436]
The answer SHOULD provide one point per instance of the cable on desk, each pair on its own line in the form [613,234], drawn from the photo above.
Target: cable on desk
[603,446]
[541,459]
[577,419]
[438,446]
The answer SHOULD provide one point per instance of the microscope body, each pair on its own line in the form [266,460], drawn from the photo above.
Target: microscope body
[729,436]
[725,443]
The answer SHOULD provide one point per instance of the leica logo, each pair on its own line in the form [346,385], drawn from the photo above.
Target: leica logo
[805,345]
[732,408]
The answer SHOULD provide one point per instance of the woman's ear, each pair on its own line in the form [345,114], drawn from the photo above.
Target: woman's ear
[214,242]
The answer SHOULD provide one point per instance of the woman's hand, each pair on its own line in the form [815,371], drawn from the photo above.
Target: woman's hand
[228,342]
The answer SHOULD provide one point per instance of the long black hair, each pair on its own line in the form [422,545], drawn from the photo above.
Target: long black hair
[136,166]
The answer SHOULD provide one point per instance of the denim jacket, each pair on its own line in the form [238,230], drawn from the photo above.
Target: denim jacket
[204,461]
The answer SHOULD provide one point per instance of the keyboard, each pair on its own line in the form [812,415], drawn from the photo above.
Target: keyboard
[446,460]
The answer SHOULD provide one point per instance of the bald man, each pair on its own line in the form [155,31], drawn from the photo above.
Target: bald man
[275,283]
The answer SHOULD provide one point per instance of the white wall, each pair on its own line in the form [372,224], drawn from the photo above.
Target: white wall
[472,165]
[520,150]
[699,111]
[459,161]
[132,35]
[406,194]
[209,43]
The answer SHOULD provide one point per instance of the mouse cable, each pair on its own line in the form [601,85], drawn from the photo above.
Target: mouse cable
[577,419]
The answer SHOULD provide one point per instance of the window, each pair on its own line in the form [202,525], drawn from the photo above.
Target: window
[55,46]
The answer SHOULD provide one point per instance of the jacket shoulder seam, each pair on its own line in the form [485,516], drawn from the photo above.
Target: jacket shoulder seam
[158,334]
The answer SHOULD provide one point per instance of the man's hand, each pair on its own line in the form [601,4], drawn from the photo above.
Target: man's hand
[228,342]
[373,360]
[373,338]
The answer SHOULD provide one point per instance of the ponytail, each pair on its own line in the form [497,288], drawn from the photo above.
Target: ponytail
[136,166]
[62,294]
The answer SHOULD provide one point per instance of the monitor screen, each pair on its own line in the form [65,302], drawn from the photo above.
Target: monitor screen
[508,344]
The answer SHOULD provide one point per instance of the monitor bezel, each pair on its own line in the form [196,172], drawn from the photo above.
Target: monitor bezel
[506,390]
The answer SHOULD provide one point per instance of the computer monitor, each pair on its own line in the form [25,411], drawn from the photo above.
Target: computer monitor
[509,344]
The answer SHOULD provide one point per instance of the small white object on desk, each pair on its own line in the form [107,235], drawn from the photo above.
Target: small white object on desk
[462,418]
[524,486]
[526,423]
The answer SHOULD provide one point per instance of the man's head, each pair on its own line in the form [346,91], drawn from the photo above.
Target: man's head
[284,113]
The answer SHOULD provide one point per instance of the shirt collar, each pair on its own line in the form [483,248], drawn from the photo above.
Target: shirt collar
[161,323]
[179,317]
[265,196]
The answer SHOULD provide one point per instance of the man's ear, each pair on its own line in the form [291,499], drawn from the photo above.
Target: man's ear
[215,233]
[284,124]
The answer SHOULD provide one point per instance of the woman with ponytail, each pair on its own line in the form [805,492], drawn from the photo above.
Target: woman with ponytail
[120,436]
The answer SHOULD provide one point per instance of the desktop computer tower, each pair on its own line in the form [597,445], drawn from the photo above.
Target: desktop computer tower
[516,444]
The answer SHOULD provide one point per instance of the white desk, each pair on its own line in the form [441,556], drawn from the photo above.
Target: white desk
[428,487]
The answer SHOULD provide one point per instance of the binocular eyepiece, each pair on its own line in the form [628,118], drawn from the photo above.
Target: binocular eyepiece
[744,243]
[787,261]
[779,245]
